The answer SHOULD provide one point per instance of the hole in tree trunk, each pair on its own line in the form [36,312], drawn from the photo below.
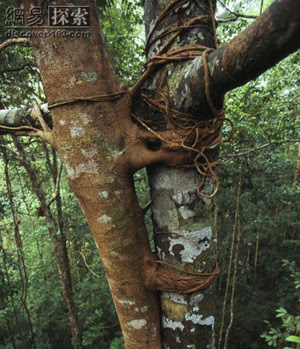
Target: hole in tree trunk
[153,144]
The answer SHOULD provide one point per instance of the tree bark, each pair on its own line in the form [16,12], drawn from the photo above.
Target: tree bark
[269,39]
[91,137]
[185,234]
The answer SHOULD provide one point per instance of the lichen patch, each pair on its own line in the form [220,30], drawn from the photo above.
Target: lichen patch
[104,219]
[197,319]
[137,324]
[167,323]
[103,194]
[77,131]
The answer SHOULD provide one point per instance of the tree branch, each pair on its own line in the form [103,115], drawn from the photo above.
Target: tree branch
[17,69]
[273,36]
[297,140]
[56,191]
[270,38]
[23,119]
[14,42]
[237,15]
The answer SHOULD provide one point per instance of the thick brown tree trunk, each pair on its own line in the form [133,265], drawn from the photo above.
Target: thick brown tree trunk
[90,137]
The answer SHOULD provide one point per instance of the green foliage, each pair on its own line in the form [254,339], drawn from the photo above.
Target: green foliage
[290,322]
[294,339]
[264,112]
[19,76]
[117,343]
[44,297]
[123,26]
[122,22]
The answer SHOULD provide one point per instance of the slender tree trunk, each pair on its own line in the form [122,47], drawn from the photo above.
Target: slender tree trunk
[3,299]
[20,251]
[59,246]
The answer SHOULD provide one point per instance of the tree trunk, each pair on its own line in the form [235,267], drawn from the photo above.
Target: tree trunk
[185,237]
[185,234]
[90,137]
[58,242]
[19,244]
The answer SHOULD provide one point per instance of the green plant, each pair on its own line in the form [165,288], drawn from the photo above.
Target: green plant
[289,328]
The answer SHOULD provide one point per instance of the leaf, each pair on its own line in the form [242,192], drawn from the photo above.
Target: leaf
[294,339]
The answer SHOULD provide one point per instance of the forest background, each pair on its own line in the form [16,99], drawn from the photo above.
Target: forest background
[259,245]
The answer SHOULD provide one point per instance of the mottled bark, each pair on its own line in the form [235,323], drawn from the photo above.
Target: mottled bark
[270,38]
[185,235]
[91,138]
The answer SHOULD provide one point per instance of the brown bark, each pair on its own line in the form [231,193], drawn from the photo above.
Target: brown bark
[98,145]
[269,39]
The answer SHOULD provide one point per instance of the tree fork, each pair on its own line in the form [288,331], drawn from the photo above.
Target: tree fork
[95,140]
